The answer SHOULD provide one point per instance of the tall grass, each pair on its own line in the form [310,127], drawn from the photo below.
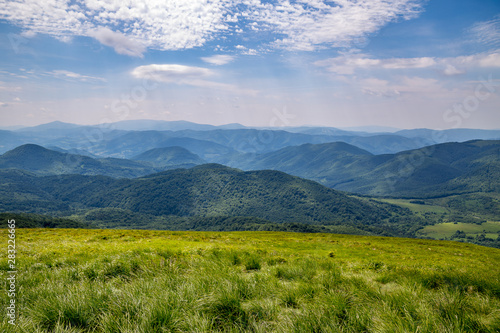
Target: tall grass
[250,282]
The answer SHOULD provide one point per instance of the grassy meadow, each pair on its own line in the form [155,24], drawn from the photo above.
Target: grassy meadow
[75,280]
[446,230]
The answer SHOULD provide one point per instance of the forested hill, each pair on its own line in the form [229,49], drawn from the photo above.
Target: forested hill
[438,170]
[205,191]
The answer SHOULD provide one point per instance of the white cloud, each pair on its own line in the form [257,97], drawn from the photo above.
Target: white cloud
[67,75]
[490,60]
[405,63]
[245,50]
[121,43]
[312,24]
[164,25]
[349,64]
[185,75]
[400,86]
[218,60]
[126,25]
[171,73]
[452,70]
[28,34]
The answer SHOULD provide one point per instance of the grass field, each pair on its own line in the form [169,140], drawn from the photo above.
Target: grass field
[417,208]
[442,230]
[72,280]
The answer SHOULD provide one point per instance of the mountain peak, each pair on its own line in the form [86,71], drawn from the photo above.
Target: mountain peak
[28,148]
[55,125]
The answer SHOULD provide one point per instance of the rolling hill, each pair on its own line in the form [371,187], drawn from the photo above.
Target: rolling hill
[169,156]
[206,191]
[448,168]
[42,161]
[327,163]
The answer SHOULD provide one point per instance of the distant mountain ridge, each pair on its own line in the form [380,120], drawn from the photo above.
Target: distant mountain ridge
[104,140]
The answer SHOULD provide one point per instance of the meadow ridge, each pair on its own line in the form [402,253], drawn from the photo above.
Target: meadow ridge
[87,280]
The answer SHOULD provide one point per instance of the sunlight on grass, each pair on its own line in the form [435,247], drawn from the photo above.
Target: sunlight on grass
[442,230]
[159,281]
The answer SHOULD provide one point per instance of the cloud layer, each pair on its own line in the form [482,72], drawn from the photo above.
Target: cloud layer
[185,75]
[349,64]
[131,26]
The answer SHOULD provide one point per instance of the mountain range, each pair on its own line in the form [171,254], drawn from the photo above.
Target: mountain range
[236,178]
[437,170]
[129,138]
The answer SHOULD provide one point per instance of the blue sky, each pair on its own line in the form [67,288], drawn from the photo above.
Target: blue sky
[399,63]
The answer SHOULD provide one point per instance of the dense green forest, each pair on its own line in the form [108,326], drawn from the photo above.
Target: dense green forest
[183,196]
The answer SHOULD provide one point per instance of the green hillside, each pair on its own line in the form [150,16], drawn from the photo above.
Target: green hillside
[328,163]
[443,169]
[104,281]
[169,156]
[42,161]
[204,191]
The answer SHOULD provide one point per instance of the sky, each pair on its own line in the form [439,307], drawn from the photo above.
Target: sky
[338,63]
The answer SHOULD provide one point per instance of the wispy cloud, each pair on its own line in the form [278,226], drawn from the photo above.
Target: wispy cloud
[171,25]
[171,73]
[220,59]
[67,75]
[486,32]
[349,64]
[121,43]
[185,75]
[9,87]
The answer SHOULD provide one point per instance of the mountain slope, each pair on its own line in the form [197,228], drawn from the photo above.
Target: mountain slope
[169,156]
[203,191]
[430,171]
[327,163]
[42,161]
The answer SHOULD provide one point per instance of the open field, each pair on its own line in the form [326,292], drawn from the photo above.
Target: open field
[417,208]
[74,280]
[442,230]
